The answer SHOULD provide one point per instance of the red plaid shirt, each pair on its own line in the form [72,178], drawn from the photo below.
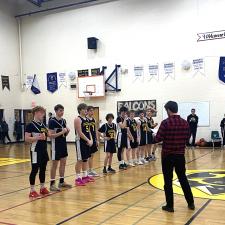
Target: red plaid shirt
[174,133]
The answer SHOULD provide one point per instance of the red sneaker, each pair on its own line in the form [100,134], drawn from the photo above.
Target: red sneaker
[79,182]
[34,194]
[44,191]
[88,179]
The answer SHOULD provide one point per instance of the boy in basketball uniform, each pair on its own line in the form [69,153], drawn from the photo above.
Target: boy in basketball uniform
[59,131]
[109,134]
[143,133]
[133,128]
[151,125]
[36,133]
[122,136]
[94,147]
[83,143]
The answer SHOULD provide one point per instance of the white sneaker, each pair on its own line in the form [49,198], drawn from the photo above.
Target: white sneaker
[93,173]
[144,161]
[131,164]
[140,162]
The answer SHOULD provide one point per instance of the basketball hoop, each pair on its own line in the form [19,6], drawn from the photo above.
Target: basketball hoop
[87,95]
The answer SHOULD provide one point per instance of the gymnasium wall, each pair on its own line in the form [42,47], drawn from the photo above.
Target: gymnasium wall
[131,32]
[9,63]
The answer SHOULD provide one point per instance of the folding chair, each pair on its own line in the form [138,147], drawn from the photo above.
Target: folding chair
[215,137]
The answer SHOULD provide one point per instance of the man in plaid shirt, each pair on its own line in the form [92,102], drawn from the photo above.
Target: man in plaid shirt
[174,133]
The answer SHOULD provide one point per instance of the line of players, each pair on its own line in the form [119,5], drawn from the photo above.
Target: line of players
[130,135]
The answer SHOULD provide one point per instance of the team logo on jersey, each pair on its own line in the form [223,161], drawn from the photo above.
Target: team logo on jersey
[208,184]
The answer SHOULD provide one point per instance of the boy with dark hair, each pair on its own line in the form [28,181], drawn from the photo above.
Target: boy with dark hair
[143,136]
[83,143]
[133,128]
[108,132]
[94,147]
[36,134]
[122,136]
[59,130]
[151,125]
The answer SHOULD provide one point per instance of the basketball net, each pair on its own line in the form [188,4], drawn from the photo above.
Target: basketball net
[87,95]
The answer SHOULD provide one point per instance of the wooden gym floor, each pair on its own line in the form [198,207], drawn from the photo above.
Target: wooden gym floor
[122,199]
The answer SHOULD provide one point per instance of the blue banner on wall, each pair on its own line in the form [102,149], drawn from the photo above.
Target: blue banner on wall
[222,69]
[52,82]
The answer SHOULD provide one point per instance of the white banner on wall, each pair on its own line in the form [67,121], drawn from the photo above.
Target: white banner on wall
[153,71]
[62,80]
[138,71]
[169,70]
[29,81]
[198,66]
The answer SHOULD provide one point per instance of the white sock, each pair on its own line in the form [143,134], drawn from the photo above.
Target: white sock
[32,188]
[85,173]
[78,176]
[42,185]
[122,161]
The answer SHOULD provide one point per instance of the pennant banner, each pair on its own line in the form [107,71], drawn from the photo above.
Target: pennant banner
[35,86]
[138,71]
[222,69]
[153,71]
[52,82]
[5,82]
[83,73]
[29,81]
[169,70]
[95,72]
[198,66]
[62,80]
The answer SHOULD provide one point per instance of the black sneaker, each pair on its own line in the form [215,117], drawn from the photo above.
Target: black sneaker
[125,166]
[191,206]
[104,171]
[168,209]
[147,158]
[121,167]
[111,170]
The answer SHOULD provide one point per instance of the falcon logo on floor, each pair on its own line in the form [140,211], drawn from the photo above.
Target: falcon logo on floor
[208,184]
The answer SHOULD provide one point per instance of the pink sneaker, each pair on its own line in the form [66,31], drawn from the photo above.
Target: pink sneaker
[79,182]
[88,179]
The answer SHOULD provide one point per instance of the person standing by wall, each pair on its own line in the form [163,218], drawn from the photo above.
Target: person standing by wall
[192,120]
[174,133]
[5,131]
[18,131]
[222,125]
[1,132]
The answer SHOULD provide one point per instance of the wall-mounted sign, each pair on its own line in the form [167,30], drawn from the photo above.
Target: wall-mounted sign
[83,73]
[209,36]
[5,82]
[137,105]
[95,72]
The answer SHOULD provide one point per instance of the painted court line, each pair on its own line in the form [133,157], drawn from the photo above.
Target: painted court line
[7,223]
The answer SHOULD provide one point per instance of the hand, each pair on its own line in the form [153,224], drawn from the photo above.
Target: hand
[64,130]
[90,143]
[41,137]
[68,130]
[107,138]
[156,124]
[132,139]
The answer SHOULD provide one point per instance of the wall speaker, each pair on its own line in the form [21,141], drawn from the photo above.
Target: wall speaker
[92,43]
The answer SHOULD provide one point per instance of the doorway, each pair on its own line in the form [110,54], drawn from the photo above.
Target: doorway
[96,116]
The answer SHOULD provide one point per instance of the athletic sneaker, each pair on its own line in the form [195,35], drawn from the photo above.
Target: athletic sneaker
[131,164]
[122,167]
[34,194]
[54,188]
[79,182]
[88,179]
[125,166]
[140,162]
[147,158]
[144,161]
[153,158]
[168,209]
[44,191]
[64,185]
[92,173]
[104,171]
[111,170]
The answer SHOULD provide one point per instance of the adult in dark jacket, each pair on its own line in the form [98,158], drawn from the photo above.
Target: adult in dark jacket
[222,125]
[18,131]
[5,129]
[192,120]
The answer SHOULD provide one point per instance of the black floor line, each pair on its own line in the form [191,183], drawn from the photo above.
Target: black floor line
[198,212]
[101,203]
